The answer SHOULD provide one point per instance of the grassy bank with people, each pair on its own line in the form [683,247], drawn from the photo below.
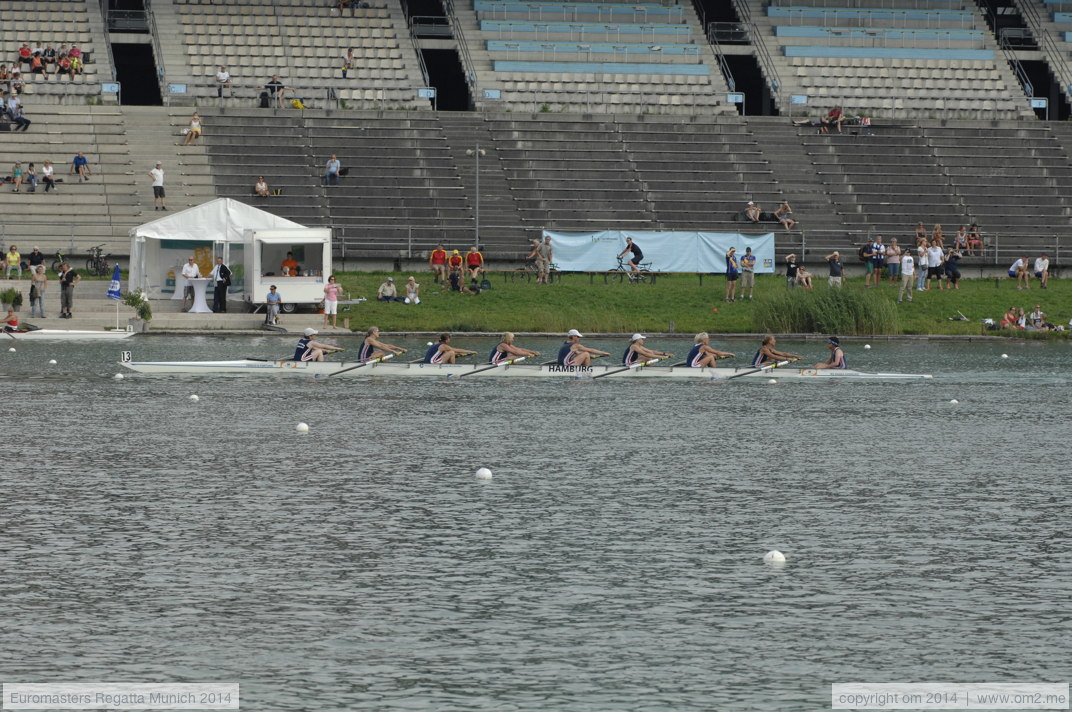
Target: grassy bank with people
[680,303]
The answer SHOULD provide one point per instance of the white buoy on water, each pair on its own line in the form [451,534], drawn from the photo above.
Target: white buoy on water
[52,362]
[302,428]
[431,343]
[867,347]
[483,474]
[118,377]
[194,398]
[12,349]
[954,401]
[771,382]
[774,557]
[1003,355]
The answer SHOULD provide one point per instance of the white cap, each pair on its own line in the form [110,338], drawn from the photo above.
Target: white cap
[750,202]
[638,337]
[310,331]
[390,279]
[574,332]
[159,163]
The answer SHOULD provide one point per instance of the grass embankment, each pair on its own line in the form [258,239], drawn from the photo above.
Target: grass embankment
[679,303]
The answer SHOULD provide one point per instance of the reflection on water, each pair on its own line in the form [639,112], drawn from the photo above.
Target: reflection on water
[614,561]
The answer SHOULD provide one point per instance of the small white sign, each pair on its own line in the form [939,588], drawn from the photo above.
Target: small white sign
[735,97]
[798,99]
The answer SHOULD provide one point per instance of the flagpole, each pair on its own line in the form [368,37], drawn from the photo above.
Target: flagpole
[115,293]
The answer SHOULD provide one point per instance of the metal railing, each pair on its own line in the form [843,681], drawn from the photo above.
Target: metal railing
[158,52]
[463,46]
[766,62]
[313,93]
[415,241]
[723,65]
[1056,59]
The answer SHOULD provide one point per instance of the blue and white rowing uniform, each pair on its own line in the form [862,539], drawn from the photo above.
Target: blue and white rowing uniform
[302,352]
[497,356]
[433,354]
[695,356]
[757,360]
[365,354]
[565,354]
[844,362]
[630,357]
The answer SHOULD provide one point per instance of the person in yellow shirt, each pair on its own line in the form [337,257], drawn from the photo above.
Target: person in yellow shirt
[14,261]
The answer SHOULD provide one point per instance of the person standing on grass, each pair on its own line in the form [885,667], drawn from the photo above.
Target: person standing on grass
[748,273]
[921,264]
[837,270]
[893,260]
[791,269]
[908,271]
[331,302]
[733,271]
[935,262]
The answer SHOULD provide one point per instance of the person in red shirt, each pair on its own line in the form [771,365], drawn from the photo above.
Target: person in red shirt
[25,54]
[437,262]
[11,320]
[474,261]
[454,266]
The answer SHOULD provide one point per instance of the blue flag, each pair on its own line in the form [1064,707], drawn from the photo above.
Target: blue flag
[113,288]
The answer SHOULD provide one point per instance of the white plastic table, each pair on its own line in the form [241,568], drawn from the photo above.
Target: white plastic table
[200,305]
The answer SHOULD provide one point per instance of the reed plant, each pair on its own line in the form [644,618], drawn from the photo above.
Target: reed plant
[825,311]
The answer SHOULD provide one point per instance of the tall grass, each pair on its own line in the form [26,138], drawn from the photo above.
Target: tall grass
[825,311]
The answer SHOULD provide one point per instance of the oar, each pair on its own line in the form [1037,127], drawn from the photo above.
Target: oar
[640,364]
[494,365]
[768,367]
[360,365]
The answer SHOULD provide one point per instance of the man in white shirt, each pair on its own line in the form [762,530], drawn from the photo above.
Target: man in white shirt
[190,270]
[157,174]
[223,79]
[1042,269]
[935,258]
[908,273]
[1018,269]
[387,292]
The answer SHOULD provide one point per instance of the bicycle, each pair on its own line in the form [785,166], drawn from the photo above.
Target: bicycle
[640,275]
[58,262]
[96,264]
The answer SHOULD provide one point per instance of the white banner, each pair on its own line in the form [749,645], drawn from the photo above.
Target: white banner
[692,252]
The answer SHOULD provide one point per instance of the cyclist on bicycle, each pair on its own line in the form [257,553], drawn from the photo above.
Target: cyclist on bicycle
[637,256]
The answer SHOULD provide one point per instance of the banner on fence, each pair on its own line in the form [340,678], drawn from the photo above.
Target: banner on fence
[665,251]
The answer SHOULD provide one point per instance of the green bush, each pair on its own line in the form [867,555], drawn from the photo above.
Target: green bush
[140,304]
[824,311]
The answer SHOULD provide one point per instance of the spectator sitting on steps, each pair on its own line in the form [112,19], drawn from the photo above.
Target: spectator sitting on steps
[261,187]
[784,213]
[752,212]
[80,165]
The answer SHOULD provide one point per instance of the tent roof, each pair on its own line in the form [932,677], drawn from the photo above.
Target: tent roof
[222,219]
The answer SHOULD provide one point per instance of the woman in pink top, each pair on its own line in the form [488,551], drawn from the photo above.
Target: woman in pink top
[331,300]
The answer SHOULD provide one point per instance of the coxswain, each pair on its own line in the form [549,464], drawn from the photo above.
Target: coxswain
[573,353]
[309,350]
[638,353]
[506,351]
[443,352]
[767,354]
[837,355]
[703,354]
[372,348]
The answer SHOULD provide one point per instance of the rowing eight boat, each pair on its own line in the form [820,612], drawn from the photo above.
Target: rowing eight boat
[68,335]
[253,367]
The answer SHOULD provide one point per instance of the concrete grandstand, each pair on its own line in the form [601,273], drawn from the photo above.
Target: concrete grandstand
[581,116]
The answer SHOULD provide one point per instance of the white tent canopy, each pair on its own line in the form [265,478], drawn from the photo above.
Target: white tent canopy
[159,248]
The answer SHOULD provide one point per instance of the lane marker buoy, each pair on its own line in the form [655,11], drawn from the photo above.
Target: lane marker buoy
[52,362]
[118,377]
[774,557]
[302,428]
[867,347]
[194,398]
[483,474]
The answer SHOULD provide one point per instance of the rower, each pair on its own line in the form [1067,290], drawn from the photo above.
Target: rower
[372,348]
[637,352]
[702,354]
[11,320]
[443,352]
[309,350]
[767,354]
[573,354]
[837,356]
[505,350]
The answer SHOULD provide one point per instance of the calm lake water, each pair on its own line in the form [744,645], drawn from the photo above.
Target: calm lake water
[613,563]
